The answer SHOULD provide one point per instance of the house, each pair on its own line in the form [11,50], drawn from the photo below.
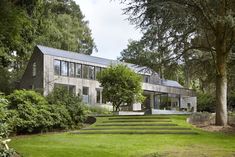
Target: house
[50,67]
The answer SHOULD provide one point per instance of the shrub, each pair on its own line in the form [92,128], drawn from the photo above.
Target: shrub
[3,117]
[97,110]
[32,111]
[4,128]
[61,117]
[206,102]
[6,152]
[73,104]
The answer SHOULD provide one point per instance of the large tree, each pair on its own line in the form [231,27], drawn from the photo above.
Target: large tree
[212,20]
[120,85]
[24,24]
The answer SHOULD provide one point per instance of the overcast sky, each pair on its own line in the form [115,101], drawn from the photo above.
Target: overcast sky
[110,29]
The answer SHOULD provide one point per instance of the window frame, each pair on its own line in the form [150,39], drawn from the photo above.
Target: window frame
[84,72]
[74,69]
[97,71]
[56,60]
[91,72]
[66,68]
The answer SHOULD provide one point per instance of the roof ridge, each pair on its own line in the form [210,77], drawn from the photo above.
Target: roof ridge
[77,53]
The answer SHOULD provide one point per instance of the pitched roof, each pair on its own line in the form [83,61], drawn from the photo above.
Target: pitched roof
[90,59]
[101,61]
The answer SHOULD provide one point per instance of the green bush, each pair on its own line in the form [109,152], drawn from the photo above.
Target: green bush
[4,128]
[206,102]
[97,110]
[73,104]
[7,152]
[32,111]
[61,117]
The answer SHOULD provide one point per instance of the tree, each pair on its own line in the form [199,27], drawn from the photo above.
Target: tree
[212,20]
[120,85]
[25,24]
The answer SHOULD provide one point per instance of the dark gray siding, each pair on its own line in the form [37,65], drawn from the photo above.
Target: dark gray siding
[29,81]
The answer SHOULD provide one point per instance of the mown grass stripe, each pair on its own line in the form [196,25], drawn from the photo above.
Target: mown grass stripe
[144,129]
[163,124]
[128,132]
[131,121]
[122,118]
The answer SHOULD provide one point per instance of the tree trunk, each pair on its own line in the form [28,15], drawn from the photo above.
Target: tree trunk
[221,100]
[221,83]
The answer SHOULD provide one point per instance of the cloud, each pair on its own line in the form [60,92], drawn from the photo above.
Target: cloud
[110,29]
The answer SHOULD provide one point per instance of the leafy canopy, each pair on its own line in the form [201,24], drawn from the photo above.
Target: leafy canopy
[120,85]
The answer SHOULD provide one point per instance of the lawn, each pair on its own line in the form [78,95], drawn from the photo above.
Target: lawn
[136,140]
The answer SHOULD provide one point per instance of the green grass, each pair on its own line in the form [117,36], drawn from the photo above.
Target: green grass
[203,144]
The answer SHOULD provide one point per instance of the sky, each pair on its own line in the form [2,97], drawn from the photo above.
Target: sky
[110,29]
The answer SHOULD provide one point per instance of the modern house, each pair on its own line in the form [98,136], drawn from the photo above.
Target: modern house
[50,67]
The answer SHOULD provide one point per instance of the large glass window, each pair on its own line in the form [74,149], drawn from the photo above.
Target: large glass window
[85,94]
[78,70]
[103,98]
[61,86]
[70,88]
[34,69]
[71,69]
[64,68]
[97,70]
[98,94]
[91,72]
[56,67]
[85,71]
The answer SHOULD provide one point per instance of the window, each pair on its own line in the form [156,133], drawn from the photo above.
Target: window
[78,70]
[64,68]
[91,72]
[34,69]
[98,94]
[85,71]
[103,98]
[57,67]
[85,90]
[146,78]
[70,88]
[71,69]
[97,70]
[85,94]
[58,85]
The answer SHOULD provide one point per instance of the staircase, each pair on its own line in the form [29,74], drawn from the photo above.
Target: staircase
[137,125]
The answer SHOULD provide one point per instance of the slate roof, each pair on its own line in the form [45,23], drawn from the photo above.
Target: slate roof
[171,83]
[101,61]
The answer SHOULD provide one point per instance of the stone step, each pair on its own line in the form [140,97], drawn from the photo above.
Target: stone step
[159,128]
[135,132]
[126,124]
[134,120]
[138,117]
